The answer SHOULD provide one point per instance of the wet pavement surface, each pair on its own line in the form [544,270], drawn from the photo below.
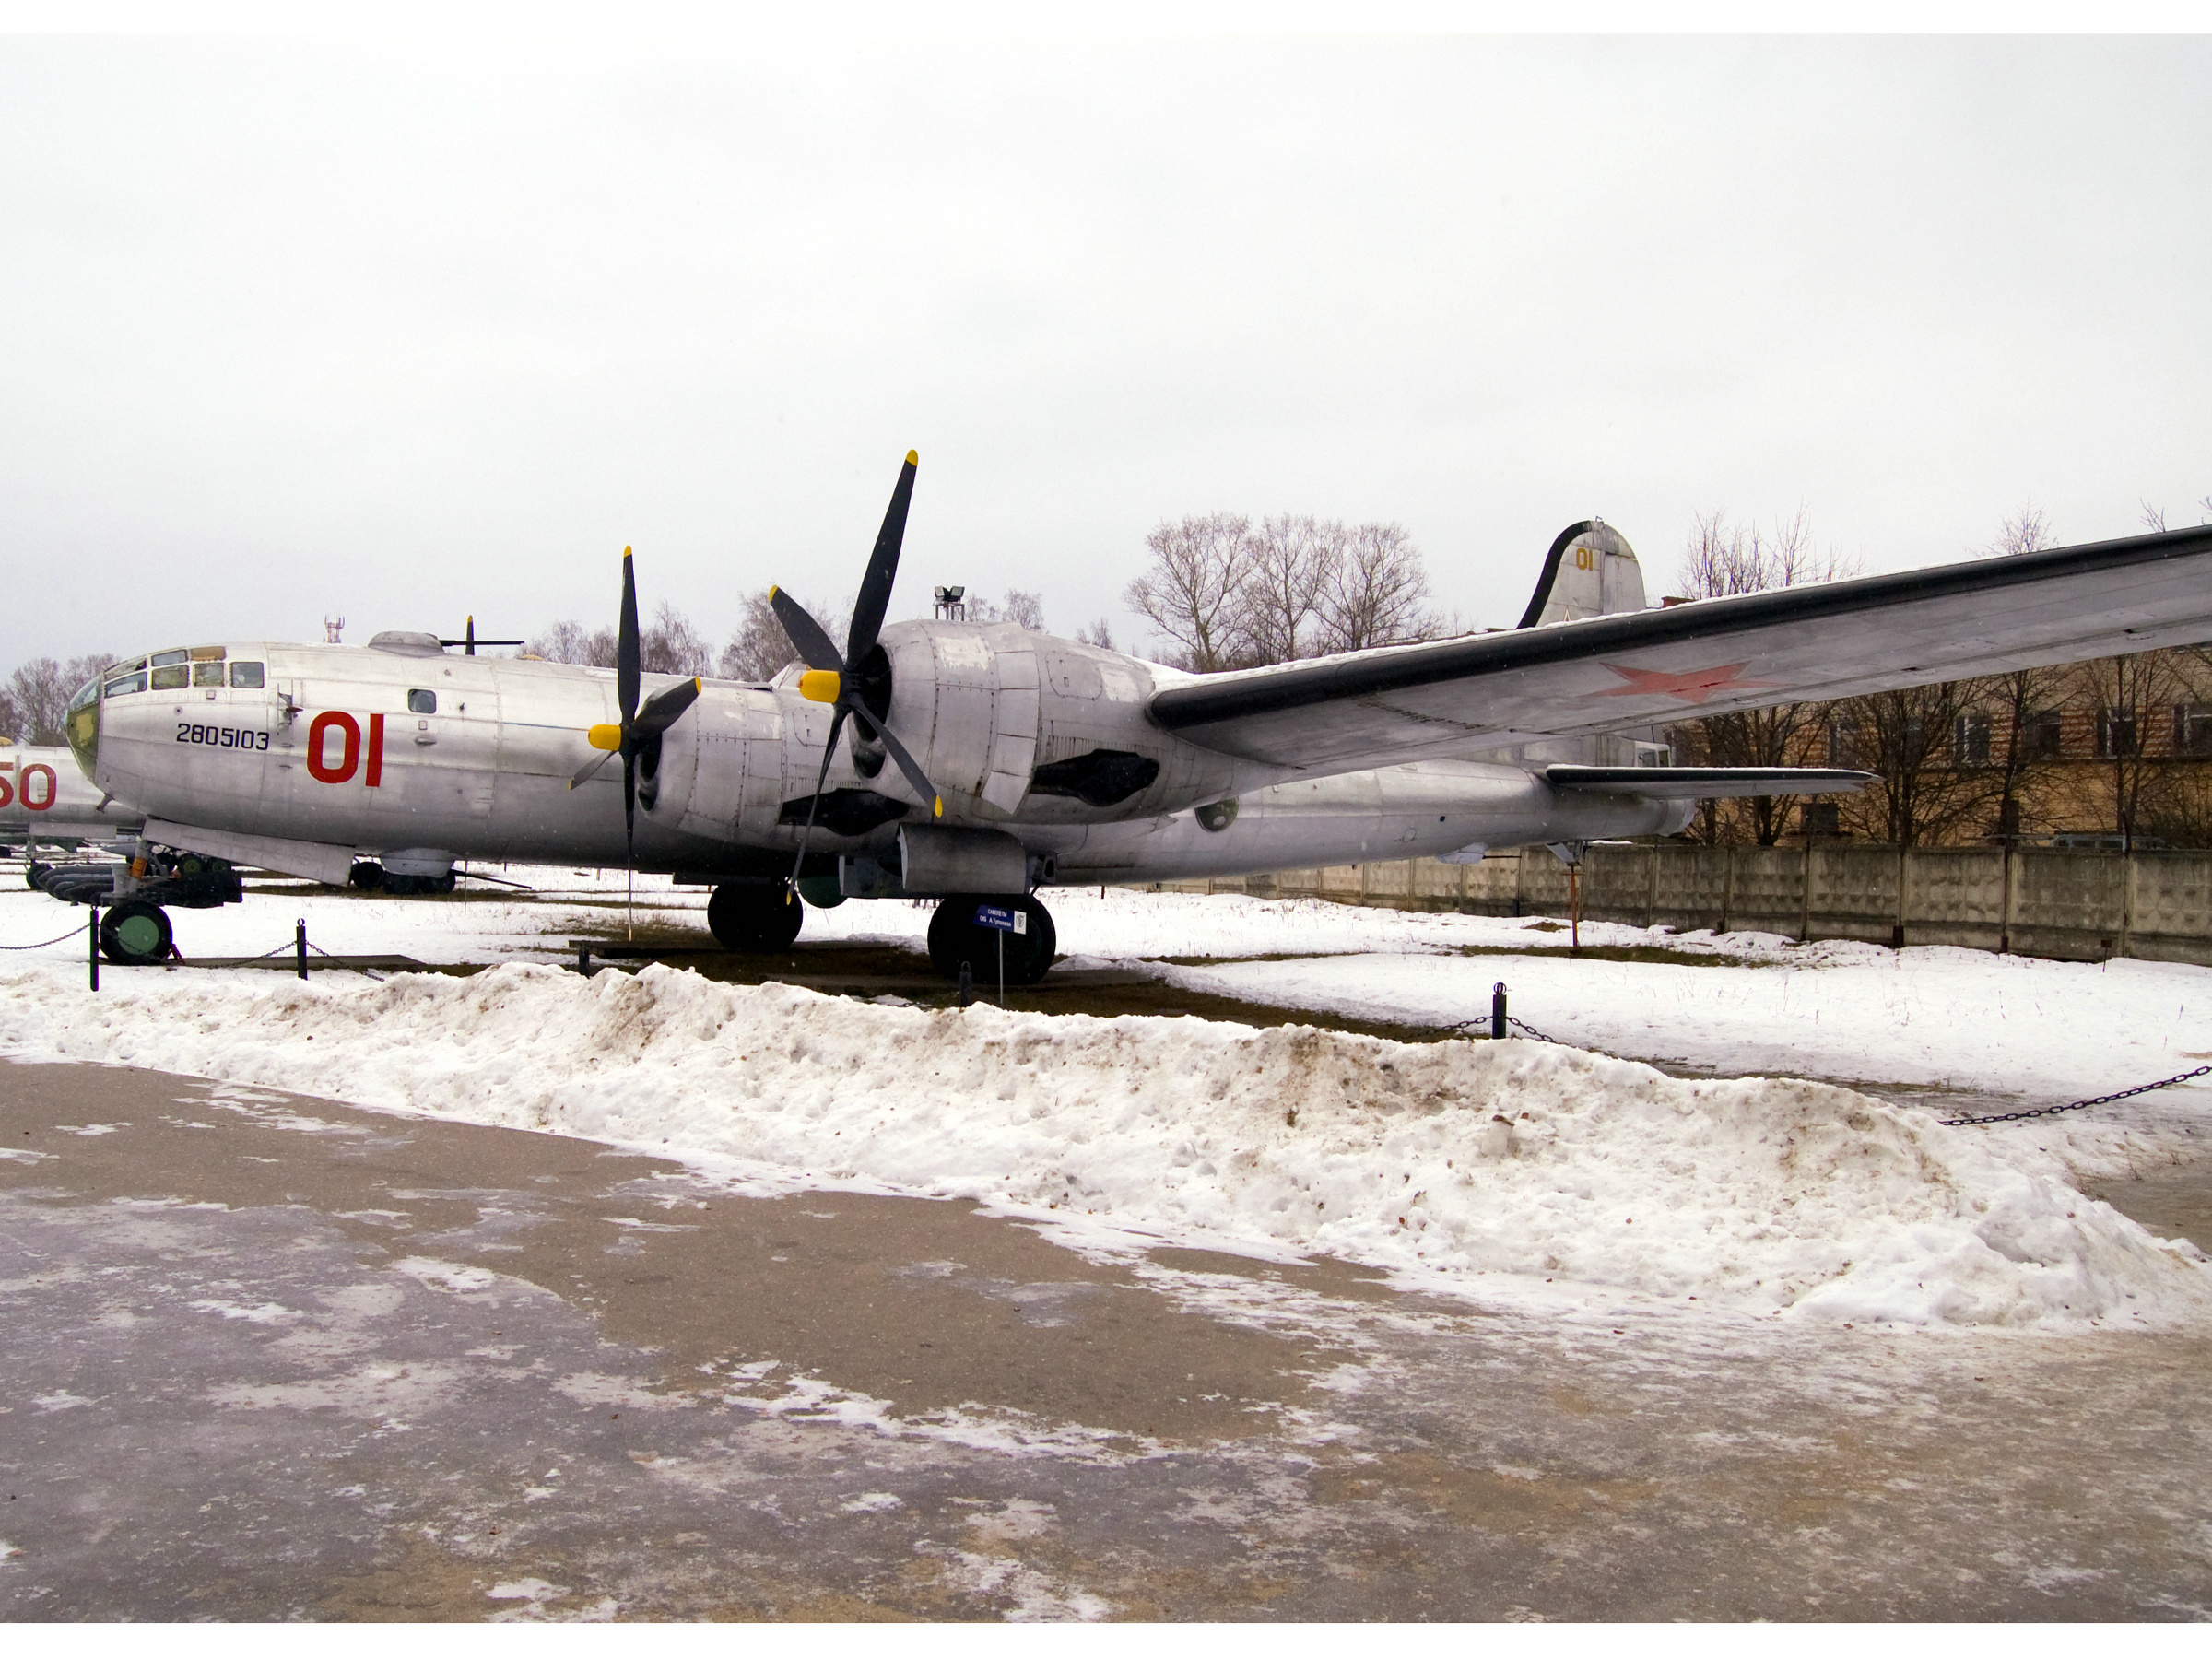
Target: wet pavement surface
[268,1357]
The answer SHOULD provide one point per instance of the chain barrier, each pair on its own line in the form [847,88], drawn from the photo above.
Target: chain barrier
[70,934]
[327,957]
[2103,1100]
[1527,1030]
[1482,1027]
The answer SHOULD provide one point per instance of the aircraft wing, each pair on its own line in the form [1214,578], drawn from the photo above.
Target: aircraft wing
[1642,669]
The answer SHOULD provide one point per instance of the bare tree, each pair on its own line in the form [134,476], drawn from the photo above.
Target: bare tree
[2027,531]
[1925,789]
[2024,704]
[570,642]
[1096,633]
[2128,693]
[38,696]
[671,643]
[1193,593]
[760,648]
[1026,611]
[1291,559]
[1378,591]
[1720,560]
[2154,518]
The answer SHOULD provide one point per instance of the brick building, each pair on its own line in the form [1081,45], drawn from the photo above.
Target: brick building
[2089,754]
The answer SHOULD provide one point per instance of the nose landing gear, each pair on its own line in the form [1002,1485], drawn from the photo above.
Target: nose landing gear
[954,937]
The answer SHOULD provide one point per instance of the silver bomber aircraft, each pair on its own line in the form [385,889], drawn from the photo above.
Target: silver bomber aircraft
[979,763]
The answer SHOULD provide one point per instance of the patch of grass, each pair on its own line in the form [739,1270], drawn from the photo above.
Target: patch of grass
[1273,956]
[1596,953]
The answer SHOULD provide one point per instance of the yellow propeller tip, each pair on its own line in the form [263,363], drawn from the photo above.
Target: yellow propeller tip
[913,457]
[940,806]
[773,592]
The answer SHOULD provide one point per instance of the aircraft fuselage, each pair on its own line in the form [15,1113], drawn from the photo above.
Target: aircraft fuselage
[408,751]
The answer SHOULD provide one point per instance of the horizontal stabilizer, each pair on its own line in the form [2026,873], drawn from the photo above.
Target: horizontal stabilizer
[1707,782]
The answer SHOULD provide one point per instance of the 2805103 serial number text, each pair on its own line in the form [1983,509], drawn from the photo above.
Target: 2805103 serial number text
[222,736]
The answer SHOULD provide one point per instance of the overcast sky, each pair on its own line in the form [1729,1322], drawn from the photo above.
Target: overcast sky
[404,332]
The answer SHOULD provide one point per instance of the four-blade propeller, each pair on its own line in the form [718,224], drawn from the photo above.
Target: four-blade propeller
[837,680]
[640,727]
[830,677]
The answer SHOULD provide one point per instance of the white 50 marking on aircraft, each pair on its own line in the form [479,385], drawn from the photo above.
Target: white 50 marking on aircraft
[981,761]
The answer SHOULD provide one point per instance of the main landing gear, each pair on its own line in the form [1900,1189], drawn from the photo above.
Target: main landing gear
[758,918]
[954,937]
[755,917]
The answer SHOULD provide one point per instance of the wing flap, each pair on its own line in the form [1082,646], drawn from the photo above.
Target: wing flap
[1708,782]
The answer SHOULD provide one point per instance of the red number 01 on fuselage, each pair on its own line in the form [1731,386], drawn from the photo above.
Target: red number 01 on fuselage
[349,750]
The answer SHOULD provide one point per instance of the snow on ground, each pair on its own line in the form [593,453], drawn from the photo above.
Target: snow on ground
[1754,1195]
[1757,1195]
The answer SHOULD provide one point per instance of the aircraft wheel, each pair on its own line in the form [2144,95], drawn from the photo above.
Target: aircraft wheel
[954,938]
[821,891]
[367,876]
[755,917]
[133,933]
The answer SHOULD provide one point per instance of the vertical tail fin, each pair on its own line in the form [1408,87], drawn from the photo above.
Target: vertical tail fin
[1590,571]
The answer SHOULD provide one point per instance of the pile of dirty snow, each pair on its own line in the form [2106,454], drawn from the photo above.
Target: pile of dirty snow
[1454,1159]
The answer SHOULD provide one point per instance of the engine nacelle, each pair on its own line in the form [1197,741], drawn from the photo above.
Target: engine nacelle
[1013,725]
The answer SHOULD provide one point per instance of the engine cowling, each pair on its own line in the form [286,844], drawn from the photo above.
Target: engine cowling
[1011,724]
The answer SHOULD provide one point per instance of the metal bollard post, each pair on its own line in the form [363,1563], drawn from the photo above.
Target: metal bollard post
[967,985]
[1498,1011]
[583,961]
[300,944]
[93,934]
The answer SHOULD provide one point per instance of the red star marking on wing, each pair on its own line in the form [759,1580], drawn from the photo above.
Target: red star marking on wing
[1693,685]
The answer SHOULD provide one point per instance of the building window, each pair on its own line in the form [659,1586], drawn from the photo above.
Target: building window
[2193,729]
[1970,740]
[1840,749]
[2040,735]
[2115,733]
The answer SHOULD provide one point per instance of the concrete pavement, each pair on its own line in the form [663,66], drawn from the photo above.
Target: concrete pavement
[268,1357]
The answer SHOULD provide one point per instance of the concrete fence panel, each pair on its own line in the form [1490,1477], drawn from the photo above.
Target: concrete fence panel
[2079,906]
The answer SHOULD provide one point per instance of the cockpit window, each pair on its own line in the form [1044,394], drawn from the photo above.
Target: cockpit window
[206,674]
[163,659]
[170,677]
[247,675]
[422,702]
[87,694]
[123,684]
